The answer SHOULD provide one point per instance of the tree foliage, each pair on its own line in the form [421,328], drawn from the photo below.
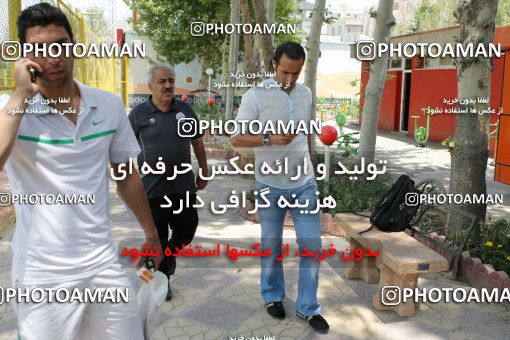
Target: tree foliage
[503,15]
[285,10]
[94,17]
[432,14]
[168,25]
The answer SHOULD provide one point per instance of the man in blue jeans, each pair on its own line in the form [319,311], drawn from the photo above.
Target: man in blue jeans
[282,99]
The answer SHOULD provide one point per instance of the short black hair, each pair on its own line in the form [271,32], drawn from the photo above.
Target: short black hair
[42,14]
[291,49]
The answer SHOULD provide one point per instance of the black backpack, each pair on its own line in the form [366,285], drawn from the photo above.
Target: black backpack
[392,213]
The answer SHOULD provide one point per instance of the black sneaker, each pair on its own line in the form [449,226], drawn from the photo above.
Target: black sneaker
[276,310]
[169,293]
[318,323]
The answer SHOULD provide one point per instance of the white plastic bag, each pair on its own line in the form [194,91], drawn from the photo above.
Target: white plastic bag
[150,297]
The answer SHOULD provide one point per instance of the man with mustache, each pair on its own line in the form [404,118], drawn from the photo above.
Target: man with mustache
[155,123]
[45,150]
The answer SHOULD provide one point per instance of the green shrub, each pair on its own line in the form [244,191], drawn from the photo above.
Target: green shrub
[206,112]
[358,195]
[495,244]
[355,195]
[227,146]
[250,194]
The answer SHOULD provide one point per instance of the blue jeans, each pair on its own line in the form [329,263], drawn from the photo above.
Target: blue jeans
[308,233]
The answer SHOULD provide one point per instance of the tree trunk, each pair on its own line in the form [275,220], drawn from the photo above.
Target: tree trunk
[312,55]
[375,86]
[470,154]
[225,67]
[249,62]
[257,54]
[232,55]
[265,39]
[204,81]
[271,14]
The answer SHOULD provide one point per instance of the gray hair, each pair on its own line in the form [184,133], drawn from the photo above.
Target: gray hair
[165,67]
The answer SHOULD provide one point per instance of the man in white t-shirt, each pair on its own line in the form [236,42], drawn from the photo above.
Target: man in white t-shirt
[50,154]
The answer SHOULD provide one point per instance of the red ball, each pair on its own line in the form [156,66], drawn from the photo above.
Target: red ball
[210,101]
[184,98]
[328,135]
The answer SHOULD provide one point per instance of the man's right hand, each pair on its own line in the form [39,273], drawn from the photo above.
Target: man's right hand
[281,139]
[24,86]
[12,113]
[154,244]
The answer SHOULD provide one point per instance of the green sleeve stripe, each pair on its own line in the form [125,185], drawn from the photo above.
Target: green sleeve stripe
[97,135]
[45,141]
[65,141]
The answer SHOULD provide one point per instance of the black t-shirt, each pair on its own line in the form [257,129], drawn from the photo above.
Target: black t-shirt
[157,135]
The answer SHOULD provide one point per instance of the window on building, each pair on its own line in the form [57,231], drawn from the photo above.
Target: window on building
[446,61]
[419,62]
[395,63]
[431,62]
[408,63]
[438,62]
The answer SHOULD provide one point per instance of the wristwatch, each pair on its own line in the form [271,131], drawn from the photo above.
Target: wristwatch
[266,140]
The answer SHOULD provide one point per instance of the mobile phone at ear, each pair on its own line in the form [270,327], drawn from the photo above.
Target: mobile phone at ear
[33,75]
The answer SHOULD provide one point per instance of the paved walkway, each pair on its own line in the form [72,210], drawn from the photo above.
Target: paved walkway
[221,299]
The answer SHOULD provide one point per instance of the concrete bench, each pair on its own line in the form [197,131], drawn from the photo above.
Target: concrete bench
[401,259]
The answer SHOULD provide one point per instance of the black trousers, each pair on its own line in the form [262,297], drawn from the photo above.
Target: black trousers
[183,225]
